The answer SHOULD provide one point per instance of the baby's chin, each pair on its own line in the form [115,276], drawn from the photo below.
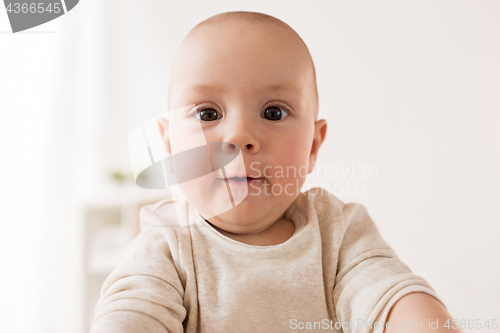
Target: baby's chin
[243,219]
[252,214]
[245,211]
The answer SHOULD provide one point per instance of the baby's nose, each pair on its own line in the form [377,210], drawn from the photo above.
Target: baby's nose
[240,133]
[228,147]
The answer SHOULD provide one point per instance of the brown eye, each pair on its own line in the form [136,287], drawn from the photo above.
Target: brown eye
[208,115]
[274,113]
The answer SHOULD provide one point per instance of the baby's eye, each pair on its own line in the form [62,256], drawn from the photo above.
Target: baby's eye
[274,113]
[208,114]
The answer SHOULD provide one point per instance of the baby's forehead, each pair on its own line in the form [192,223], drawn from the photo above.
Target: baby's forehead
[246,55]
[214,52]
[235,40]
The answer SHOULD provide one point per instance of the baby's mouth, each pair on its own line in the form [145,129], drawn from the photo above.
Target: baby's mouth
[240,180]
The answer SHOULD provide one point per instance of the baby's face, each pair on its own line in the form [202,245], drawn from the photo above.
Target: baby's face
[252,88]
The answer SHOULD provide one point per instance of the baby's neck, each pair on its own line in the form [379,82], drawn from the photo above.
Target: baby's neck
[279,232]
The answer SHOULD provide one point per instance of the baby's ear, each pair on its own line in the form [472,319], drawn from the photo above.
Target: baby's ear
[319,137]
[163,125]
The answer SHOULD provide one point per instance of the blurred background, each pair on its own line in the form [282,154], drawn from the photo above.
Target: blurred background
[410,91]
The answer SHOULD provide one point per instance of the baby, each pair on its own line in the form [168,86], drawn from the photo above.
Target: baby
[246,251]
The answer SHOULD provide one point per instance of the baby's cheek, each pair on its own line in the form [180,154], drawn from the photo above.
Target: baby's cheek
[291,174]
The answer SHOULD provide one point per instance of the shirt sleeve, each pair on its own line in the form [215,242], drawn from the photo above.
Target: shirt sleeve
[370,277]
[144,293]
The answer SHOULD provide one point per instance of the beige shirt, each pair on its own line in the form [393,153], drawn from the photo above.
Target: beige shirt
[336,273]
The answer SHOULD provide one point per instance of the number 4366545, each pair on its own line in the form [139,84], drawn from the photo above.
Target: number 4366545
[471,324]
[34,8]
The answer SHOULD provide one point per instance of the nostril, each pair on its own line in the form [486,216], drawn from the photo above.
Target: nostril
[249,146]
[228,147]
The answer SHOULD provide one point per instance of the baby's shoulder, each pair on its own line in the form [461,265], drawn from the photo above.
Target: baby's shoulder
[323,201]
[164,213]
[331,210]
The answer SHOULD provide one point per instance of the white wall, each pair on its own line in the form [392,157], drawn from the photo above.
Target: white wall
[50,129]
[29,72]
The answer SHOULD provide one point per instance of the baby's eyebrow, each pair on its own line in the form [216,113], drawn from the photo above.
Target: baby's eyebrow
[203,87]
[279,87]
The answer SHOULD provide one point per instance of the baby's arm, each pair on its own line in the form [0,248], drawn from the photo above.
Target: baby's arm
[371,280]
[127,321]
[144,293]
[419,307]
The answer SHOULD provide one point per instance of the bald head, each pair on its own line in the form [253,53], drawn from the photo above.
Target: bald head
[237,39]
